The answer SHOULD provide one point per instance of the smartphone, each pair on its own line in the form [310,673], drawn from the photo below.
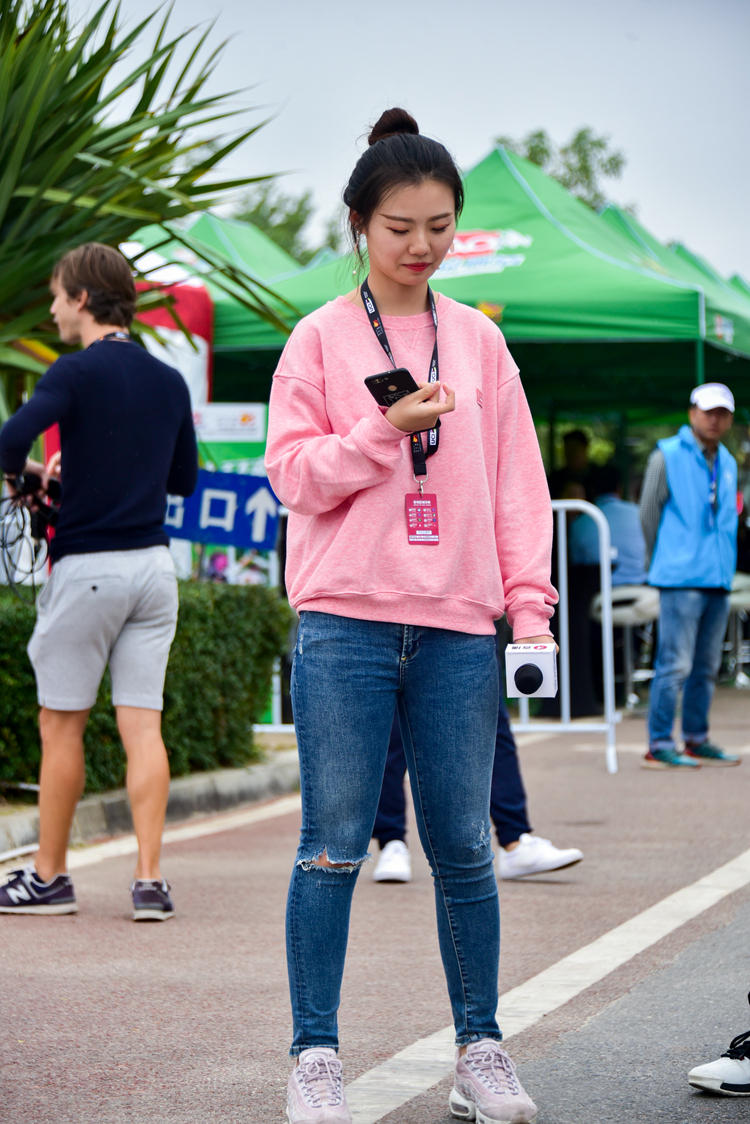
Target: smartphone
[387,387]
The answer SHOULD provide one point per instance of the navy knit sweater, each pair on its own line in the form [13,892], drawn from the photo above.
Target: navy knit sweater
[127,440]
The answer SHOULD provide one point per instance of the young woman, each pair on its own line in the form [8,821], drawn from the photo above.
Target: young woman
[413,526]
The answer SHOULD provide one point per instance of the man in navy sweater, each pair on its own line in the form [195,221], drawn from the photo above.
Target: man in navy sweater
[127,439]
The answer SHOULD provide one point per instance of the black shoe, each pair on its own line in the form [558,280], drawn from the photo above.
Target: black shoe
[151,900]
[24,892]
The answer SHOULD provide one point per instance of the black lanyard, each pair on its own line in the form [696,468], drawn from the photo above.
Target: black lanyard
[418,453]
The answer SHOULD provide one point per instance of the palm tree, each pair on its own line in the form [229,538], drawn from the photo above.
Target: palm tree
[83,160]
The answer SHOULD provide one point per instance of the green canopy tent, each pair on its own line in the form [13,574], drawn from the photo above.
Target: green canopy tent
[599,320]
[595,323]
[240,373]
[251,252]
[740,284]
[241,243]
[727,305]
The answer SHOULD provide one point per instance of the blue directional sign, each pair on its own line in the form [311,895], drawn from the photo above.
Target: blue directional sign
[226,509]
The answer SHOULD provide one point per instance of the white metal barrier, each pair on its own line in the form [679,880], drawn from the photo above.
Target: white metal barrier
[611,717]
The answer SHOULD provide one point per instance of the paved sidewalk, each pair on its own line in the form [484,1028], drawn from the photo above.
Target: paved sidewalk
[189,1023]
[107,814]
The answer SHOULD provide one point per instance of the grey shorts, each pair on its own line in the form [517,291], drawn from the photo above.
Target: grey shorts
[114,607]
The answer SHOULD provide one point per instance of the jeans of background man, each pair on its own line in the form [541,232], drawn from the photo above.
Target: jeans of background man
[507,796]
[692,626]
[347,678]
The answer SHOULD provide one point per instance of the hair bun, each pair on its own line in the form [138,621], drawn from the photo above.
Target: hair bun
[390,123]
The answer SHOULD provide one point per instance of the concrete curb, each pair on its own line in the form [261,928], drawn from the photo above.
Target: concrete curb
[108,814]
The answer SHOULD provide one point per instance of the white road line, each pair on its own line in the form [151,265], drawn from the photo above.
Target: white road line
[414,1070]
[98,852]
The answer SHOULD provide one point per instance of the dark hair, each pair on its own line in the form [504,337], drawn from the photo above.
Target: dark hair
[107,278]
[398,155]
[578,436]
[607,479]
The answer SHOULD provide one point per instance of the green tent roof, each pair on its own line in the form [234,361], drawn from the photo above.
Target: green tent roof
[549,268]
[599,315]
[253,252]
[740,284]
[726,307]
[245,245]
[240,242]
[557,271]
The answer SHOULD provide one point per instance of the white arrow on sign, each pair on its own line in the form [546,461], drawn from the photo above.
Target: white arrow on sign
[261,505]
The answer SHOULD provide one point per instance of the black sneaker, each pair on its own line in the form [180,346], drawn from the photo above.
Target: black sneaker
[151,900]
[24,892]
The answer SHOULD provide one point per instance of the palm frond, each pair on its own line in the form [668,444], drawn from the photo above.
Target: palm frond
[81,160]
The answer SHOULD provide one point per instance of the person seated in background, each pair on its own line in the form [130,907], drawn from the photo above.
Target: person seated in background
[583,585]
[628,544]
[577,468]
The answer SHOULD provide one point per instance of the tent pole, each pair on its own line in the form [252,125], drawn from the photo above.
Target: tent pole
[622,453]
[700,353]
[700,363]
[551,441]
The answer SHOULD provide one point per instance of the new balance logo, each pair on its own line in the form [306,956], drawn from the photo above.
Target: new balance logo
[18,894]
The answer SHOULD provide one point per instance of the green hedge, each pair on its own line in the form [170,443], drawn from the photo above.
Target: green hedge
[217,685]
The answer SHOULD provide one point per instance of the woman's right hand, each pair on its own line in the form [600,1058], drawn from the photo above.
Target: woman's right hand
[421,409]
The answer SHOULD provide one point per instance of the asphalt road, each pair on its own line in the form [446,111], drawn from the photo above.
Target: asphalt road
[187,1022]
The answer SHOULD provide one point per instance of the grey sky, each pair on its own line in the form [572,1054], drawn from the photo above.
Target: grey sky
[667,80]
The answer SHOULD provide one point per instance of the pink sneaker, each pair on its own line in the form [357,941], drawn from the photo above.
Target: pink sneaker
[315,1094]
[486,1087]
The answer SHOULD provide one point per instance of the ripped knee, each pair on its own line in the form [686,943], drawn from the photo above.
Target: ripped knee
[323,862]
[482,838]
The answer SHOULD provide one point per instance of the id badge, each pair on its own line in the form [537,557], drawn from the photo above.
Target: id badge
[422,518]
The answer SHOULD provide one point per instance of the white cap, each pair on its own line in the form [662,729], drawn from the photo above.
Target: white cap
[711,395]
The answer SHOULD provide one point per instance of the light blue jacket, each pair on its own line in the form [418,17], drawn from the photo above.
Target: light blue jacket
[696,544]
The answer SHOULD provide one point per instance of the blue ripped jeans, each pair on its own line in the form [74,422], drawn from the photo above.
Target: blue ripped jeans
[347,677]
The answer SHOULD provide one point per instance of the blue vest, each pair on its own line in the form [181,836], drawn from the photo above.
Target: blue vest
[696,544]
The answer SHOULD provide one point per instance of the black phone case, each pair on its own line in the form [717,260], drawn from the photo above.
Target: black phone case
[388,386]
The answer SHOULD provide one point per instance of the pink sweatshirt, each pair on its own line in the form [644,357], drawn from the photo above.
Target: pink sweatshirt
[343,470]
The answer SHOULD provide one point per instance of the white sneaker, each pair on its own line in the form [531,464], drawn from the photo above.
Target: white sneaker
[729,1074]
[394,864]
[534,855]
